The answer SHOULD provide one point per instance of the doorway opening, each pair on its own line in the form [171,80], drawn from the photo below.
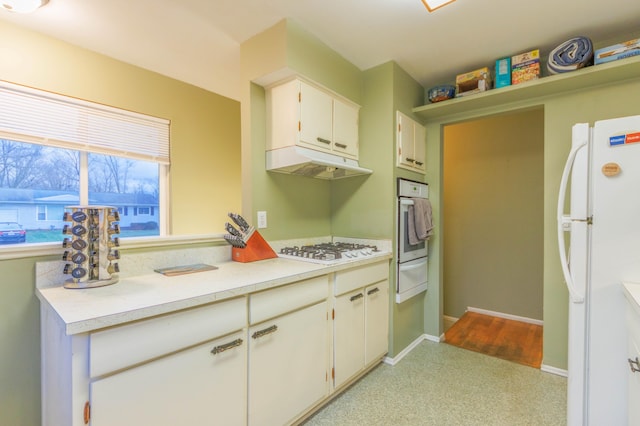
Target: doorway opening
[493,216]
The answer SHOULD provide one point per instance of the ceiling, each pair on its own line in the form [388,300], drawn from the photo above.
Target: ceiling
[198,41]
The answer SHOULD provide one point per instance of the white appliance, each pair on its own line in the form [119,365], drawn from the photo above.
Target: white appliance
[604,226]
[411,278]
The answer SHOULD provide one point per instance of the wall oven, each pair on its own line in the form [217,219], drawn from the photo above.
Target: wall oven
[411,278]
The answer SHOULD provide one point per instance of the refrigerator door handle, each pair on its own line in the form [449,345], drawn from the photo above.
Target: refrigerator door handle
[563,220]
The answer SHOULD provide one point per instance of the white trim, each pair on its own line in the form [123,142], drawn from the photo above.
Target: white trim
[435,339]
[19,251]
[505,316]
[410,347]
[554,370]
[404,352]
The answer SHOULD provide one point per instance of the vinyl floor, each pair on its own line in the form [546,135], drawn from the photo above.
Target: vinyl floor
[440,384]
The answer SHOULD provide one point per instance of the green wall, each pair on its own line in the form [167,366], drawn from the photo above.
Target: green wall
[205,178]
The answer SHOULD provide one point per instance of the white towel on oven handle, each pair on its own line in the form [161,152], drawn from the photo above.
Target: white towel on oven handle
[420,221]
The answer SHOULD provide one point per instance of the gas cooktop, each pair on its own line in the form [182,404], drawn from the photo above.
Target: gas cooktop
[329,253]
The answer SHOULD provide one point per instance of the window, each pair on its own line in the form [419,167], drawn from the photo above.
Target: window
[42,212]
[57,152]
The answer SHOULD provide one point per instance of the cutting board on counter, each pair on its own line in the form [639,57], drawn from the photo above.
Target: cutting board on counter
[185,269]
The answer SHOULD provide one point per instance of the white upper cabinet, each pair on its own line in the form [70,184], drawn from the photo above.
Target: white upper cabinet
[345,129]
[410,143]
[299,113]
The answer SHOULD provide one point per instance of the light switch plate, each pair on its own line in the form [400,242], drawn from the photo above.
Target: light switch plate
[262,219]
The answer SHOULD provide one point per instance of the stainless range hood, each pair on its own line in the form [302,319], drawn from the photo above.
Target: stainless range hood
[296,160]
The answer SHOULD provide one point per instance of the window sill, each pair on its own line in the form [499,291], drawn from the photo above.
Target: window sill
[19,251]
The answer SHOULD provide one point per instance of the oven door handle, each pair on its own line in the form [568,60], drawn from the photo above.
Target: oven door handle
[415,266]
[406,202]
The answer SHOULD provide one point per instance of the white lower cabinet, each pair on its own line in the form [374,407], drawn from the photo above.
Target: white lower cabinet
[265,358]
[288,354]
[361,320]
[202,385]
[376,328]
[348,336]
[288,366]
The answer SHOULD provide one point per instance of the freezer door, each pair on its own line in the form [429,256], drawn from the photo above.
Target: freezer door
[614,258]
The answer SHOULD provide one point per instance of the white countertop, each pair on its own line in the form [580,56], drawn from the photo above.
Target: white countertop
[134,298]
[632,292]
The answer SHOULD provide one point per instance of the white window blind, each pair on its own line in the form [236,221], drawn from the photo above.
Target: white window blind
[35,116]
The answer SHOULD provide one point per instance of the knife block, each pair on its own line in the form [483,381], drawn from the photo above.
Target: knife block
[257,249]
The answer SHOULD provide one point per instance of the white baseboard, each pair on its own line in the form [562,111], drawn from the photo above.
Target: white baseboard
[505,316]
[554,370]
[396,359]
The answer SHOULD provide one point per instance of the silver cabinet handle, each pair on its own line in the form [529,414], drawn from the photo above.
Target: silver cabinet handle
[635,365]
[222,348]
[323,140]
[356,297]
[341,145]
[264,332]
[373,291]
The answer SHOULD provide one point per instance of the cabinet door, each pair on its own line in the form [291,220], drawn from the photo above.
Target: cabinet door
[376,321]
[419,135]
[316,114]
[191,387]
[405,140]
[288,365]
[348,336]
[345,129]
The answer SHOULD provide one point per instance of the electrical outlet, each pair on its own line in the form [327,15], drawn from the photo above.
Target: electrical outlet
[262,219]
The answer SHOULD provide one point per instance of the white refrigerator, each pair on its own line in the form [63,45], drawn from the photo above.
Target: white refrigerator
[603,173]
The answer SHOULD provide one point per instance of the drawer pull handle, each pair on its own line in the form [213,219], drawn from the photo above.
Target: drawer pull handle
[356,297]
[323,140]
[222,348]
[410,160]
[264,332]
[341,145]
[373,291]
[635,365]
[419,163]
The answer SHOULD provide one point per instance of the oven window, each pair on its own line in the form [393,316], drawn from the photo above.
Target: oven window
[408,248]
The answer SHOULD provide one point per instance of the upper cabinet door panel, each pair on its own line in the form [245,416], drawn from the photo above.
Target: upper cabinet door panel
[405,136]
[345,128]
[420,134]
[410,143]
[316,110]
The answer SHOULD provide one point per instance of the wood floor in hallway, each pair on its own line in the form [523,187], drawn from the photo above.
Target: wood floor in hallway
[507,339]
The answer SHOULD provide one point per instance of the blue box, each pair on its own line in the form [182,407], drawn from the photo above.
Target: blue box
[617,51]
[503,72]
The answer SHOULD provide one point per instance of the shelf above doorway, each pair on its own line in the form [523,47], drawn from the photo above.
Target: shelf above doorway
[597,75]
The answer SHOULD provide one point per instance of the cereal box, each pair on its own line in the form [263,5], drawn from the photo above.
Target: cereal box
[525,67]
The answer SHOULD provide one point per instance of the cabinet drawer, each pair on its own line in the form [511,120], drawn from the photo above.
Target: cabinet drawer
[352,279]
[123,346]
[278,301]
